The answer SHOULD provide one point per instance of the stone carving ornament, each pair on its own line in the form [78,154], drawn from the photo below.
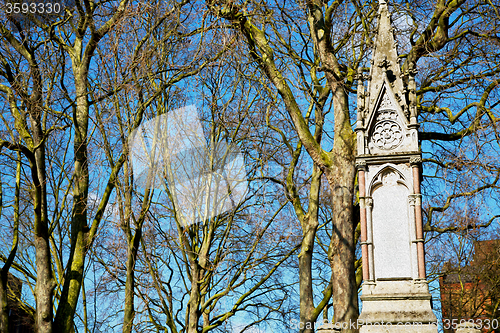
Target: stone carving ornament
[390,178]
[386,102]
[387,133]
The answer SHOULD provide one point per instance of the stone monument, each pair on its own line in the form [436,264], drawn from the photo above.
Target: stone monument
[395,293]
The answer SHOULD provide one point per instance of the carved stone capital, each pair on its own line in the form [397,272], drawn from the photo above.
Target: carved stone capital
[415,199]
[361,165]
[369,202]
[415,160]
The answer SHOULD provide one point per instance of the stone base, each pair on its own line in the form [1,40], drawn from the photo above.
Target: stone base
[328,330]
[397,306]
[398,329]
[468,328]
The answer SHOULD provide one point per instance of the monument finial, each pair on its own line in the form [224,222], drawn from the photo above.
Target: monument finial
[382,5]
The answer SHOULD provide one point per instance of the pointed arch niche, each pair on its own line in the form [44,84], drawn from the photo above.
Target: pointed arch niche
[392,225]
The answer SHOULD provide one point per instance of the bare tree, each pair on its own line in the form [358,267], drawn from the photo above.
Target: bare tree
[199,270]
[52,89]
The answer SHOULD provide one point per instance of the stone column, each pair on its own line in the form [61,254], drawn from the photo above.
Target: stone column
[415,163]
[362,213]
[369,236]
[412,200]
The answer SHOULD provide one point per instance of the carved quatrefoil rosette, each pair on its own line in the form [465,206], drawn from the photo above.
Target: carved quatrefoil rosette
[387,133]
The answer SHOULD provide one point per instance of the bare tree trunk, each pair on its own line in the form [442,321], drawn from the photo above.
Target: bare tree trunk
[305,279]
[4,309]
[342,247]
[132,250]
[309,222]
[193,312]
[35,153]
[4,272]
[129,311]
[338,164]
[341,176]
[45,282]
[133,242]
[79,227]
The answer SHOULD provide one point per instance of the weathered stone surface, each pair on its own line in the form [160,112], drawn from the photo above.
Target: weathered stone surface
[383,123]
[391,231]
[409,286]
[404,328]
[397,306]
[396,301]
[388,128]
[392,220]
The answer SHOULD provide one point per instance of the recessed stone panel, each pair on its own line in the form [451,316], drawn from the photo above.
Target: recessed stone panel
[391,236]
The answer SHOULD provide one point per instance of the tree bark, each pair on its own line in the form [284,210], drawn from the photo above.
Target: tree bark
[341,176]
[79,228]
[4,309]
[129,311]
[4,272]
[193,312]
[133,242]
[342,246]
[305,279]
[309,223]
[45,282]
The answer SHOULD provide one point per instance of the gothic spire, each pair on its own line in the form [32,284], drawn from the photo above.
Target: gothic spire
[385,61]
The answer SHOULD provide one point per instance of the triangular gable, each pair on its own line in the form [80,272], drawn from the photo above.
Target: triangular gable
[386,90]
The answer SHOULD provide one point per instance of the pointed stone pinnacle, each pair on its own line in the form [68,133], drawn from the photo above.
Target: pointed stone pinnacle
[385,59]
[382,3]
